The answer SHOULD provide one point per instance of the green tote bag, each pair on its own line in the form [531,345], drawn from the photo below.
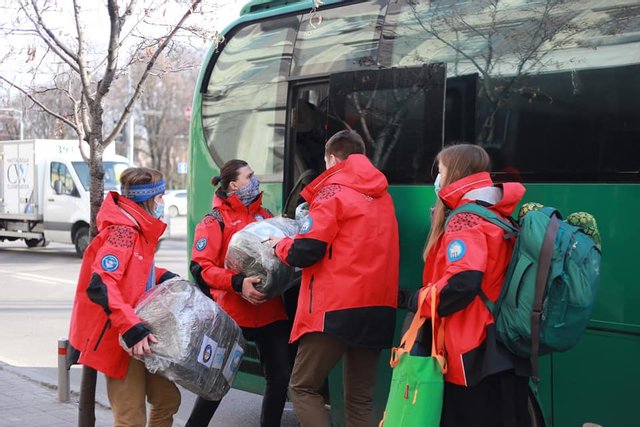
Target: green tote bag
[417,383]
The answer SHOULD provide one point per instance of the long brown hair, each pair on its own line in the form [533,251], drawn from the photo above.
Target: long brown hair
[141,176]
[228,173]
[460,160]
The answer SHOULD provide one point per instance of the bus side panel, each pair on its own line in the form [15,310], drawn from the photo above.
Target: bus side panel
[599,380]
[584,380]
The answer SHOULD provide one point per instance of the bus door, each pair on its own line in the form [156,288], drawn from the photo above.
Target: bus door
[399,113]
[304,158]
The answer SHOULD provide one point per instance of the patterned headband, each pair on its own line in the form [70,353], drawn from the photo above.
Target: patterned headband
[140,193]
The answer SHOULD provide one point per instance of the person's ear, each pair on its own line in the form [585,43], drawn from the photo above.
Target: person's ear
[233,186]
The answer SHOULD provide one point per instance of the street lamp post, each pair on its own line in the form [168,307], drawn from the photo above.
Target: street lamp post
[15,110]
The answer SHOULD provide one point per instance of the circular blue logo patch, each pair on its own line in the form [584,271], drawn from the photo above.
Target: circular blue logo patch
[109,263]
[258,217]
[207,353]
[201,244]
[306,225]
[456,250]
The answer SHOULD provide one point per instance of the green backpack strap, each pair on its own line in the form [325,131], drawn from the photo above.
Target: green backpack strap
[510,230]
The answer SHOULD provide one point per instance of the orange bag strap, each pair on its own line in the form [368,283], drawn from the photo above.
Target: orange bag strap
[437,339]
[409,338]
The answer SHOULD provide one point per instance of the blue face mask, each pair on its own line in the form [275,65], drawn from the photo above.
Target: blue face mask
[250,191]
[158,212]
[436,184]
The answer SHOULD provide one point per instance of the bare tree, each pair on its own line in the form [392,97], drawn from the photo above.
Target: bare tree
[162,112]
[85,71]
[88,74]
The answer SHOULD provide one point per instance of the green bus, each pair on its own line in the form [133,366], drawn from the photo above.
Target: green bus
[551,88]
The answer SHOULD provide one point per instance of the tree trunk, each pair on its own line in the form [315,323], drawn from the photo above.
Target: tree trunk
[87,403]
[97,181]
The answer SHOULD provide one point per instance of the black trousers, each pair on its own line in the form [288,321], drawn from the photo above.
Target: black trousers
[272,342]
[499,400]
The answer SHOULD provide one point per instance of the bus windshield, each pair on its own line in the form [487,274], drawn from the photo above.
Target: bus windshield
[112,171]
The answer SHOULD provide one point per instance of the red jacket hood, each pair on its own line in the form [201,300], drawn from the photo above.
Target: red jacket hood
[113,211]
[453,195]
[223,201]
[356,172]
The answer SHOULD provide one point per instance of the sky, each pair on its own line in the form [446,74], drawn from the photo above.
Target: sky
[15,59]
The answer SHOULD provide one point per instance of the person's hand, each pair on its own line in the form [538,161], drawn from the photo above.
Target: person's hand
[143,346]
[273,241]
[250,293]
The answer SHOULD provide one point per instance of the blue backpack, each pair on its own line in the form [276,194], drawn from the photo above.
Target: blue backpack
[551,283]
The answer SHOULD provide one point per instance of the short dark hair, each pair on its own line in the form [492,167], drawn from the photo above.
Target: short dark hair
[344,143]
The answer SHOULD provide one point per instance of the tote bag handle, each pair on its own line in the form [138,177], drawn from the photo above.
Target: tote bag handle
[409,338]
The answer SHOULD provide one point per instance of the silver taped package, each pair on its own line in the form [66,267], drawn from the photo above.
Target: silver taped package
[199,346]
[250,253]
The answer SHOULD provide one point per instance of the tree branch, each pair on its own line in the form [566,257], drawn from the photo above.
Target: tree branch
[82,71]
[50,38]
[145,74]
[41,105]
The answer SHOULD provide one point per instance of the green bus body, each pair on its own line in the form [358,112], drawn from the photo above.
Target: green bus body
[551,90]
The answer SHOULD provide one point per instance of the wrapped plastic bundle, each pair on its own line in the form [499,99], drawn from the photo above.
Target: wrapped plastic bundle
[250,254]
[302,212]
[199,346]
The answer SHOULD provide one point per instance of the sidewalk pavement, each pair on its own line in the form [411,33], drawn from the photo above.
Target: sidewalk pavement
[28,403]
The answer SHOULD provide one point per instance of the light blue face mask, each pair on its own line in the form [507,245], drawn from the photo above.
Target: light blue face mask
[158,212]
[436,184]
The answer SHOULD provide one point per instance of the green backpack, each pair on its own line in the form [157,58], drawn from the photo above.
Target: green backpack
[551,283]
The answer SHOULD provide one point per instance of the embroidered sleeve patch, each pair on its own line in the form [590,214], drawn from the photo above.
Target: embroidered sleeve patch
[307,223]
[201,243]
[463,221]
[456,250]
[110,263]
[121,237]
[328,191]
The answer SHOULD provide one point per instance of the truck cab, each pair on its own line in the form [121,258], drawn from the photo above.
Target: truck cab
[44,194]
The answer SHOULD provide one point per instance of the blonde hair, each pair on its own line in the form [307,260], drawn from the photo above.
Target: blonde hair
[461,160]
[141,176]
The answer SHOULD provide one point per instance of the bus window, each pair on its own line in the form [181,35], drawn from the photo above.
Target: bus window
[567,126]
[398,112]
[556,88]
[350,33]
[243,108]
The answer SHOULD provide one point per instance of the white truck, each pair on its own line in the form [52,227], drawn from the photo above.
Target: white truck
[44,191]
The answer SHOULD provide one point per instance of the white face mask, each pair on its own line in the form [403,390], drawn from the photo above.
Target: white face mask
[436,184]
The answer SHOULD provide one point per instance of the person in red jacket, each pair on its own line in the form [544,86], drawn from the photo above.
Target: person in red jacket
[349,250]
[485,385]
[236,203]
[117,269]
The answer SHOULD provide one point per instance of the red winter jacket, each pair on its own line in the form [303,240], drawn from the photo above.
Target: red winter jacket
[113,276]
[349,252]
[471,256]
[210,243]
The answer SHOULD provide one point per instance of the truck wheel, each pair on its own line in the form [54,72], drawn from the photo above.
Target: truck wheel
[32,243]
[82,240]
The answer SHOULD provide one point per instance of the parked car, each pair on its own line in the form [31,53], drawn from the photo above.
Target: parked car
[175,202]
